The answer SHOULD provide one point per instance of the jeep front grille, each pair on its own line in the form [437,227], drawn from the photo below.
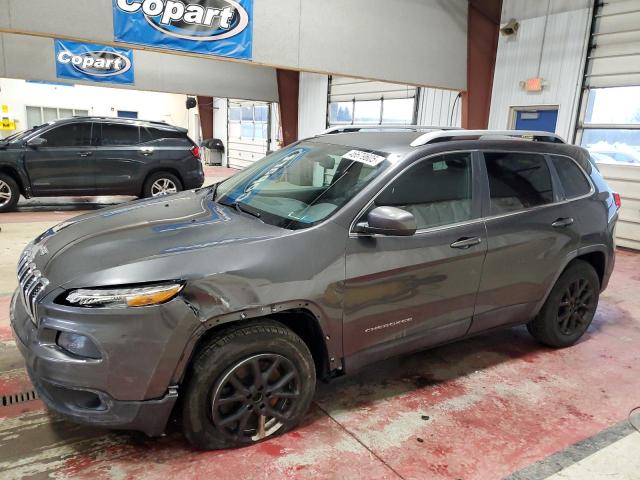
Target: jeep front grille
[32,283]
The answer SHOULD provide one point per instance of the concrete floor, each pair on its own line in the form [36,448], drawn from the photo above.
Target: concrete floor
[495,406]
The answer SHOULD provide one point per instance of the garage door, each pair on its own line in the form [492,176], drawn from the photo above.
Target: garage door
[367,102]
[248,137]
[610,111]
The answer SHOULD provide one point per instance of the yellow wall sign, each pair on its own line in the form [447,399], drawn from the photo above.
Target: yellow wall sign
[7,124]
[5,108]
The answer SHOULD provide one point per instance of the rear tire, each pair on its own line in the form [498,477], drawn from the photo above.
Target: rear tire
[9,193]
[160,184]
[247,384]
[570,308]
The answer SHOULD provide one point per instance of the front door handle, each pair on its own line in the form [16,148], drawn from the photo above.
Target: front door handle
[85,154]
[562,222]
[466,242]
[147,151]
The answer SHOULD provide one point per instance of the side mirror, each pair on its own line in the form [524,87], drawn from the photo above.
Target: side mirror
[388,221]
[36,142]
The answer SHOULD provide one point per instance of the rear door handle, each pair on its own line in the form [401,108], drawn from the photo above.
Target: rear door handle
[466,242]
[85,154]
[562,222]
[147,151]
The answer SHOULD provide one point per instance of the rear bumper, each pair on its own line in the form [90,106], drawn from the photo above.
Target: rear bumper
[610,264]
[194,178]
[130,387]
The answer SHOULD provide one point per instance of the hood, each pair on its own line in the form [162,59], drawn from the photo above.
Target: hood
[151,237]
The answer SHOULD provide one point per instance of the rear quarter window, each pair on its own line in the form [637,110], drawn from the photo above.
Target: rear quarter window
[573,180]
[164,136]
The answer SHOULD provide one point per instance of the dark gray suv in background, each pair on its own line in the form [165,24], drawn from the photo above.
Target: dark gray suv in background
[341,250]
[98,156]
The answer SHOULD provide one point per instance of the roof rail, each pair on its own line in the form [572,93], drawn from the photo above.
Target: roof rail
[357,128]
[443,135]
[101,117]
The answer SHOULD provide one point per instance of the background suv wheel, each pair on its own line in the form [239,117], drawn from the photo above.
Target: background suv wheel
[160,184]
[570,308]
[249,383]
[9,193]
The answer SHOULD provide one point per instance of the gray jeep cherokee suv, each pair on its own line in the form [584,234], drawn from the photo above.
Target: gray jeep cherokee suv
[322,258]
[97,156]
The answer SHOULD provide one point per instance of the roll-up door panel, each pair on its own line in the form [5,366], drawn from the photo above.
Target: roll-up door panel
[619,6]
[607,23]
[626,80]
[615,56]
[614,65]
[614,61]
[243,149]
[347,89]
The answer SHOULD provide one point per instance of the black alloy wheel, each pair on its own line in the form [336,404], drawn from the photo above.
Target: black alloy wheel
[576,306]
[255,397]
[249,382]
[569,308]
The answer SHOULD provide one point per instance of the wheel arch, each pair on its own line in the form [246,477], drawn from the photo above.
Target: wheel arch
[13,173]
[303,318]
[595,256]
[161,169]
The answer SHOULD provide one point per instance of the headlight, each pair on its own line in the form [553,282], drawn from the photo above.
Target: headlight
[124,297]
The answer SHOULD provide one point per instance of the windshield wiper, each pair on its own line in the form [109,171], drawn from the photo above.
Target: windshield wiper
[242,208]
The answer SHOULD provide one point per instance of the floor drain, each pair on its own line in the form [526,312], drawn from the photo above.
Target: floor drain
[8,400]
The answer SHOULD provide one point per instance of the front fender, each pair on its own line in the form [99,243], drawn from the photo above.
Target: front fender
[333,344]
[12,161]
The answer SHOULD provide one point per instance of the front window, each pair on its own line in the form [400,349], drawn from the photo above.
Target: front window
[71,135]
[436,191]
[301,185]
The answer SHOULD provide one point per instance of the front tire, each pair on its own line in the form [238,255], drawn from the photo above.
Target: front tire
[249,383]
[9,193]
[570,307]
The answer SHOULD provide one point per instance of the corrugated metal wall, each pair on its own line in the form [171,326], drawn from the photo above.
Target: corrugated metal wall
[441,108]
[560,64]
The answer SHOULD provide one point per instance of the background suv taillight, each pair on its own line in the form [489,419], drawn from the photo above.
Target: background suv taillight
[617,200]
[196,152]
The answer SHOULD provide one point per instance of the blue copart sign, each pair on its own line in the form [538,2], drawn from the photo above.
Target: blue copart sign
[212,27]
[96,63]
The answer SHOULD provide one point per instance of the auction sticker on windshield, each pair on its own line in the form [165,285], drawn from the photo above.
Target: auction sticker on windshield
[367,158]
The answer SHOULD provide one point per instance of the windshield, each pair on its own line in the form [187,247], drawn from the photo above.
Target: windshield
[301,185]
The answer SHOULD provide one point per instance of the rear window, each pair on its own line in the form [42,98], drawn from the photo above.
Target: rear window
[573,180]
[518,181]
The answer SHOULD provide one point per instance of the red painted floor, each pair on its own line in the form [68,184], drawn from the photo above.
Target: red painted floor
[477,409]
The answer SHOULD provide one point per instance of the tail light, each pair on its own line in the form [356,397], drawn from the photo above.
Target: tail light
[196,152]
[616,199]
